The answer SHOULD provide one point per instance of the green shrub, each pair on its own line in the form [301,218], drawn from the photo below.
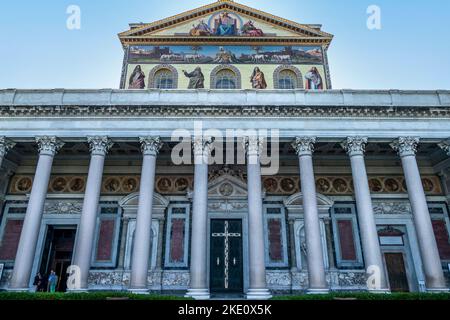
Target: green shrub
[85,296]
[367,296]
[99,296]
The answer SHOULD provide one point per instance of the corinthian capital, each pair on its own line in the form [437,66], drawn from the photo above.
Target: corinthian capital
[48,145]
[150,145]
[304,145]
[5,146]
[202,145]
[99,145]
[405,146]
[445,145]
[253,145]
[355,146]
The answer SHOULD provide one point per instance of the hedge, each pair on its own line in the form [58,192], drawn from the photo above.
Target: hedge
[85,296]
[367,296]
[129,296]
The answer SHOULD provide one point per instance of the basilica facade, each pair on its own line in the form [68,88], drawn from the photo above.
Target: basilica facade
[225,165]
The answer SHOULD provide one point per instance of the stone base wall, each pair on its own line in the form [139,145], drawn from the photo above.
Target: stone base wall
[278,281]
[6,278]
[295,281]
[158,280]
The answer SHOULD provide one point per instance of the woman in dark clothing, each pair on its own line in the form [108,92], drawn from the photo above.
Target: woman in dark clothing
[37,283]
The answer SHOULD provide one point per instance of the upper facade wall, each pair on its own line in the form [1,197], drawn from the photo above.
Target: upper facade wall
[225,46]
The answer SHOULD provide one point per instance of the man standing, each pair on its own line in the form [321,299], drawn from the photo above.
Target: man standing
[52,281]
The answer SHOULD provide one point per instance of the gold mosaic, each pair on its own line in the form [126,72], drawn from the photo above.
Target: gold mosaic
[278,185]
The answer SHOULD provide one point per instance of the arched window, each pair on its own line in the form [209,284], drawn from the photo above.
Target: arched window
[163,77]
[287,80]
[225,77]
[287,77]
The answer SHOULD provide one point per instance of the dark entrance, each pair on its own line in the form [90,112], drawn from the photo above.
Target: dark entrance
[57,254]
[395,265]
[226,275]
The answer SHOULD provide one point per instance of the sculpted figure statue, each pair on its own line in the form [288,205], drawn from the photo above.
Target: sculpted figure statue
[196,79]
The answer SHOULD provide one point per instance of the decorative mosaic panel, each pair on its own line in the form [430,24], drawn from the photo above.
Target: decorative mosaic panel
[120,184]
[343,185]
[22,184]
[278,185]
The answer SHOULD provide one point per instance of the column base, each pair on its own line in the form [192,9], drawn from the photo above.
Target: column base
[379,291]
[258,294]
[198,294]
[318,291]
[139,291]
[437,290]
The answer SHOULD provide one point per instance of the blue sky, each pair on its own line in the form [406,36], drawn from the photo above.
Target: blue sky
[411,51]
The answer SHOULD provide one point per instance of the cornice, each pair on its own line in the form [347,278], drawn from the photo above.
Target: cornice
[391,100]
[187,111]
[165,40]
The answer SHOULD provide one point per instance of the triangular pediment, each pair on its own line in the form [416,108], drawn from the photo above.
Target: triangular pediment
[226,187]
[204,22]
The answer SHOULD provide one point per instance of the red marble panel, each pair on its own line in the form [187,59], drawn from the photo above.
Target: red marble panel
[105,240]
[442,239]
[10,241]
[346,239]
[275,241]
[177,241]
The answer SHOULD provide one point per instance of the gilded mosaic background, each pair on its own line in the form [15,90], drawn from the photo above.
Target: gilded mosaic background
[278,185]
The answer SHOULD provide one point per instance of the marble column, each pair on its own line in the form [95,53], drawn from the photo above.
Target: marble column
[257,264]
[355,147]
[48,147]
[434,276]
[304,146]
[198,288]
[142,235]
[99,147]
[5,146]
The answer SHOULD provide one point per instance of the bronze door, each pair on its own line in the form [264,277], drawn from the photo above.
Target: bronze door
[226,267]
[395,265]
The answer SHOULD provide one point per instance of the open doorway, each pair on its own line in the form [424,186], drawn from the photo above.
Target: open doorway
[57,254]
